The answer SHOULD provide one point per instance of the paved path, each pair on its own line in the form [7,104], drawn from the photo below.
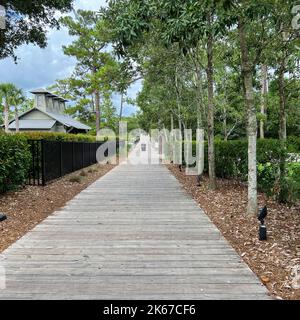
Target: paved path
[134,234]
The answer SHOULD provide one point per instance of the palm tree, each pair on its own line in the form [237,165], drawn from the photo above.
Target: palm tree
[17,98]
[5,91]
[11,96]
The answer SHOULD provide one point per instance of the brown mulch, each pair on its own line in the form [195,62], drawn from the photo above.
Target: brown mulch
[28,207]
[275,261]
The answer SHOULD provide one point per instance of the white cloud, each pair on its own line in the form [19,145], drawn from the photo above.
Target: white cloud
[89,4]
[41,67]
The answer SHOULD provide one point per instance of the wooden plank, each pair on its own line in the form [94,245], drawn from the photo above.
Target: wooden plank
[133,234]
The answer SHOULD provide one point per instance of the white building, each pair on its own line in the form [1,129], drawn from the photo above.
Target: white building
[48,114]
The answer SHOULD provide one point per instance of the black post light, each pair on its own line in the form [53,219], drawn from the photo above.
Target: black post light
[2,217]
[262,228]
[199,180]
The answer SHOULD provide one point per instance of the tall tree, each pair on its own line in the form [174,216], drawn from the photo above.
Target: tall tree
[126,76]
[247,72]
[185,23]
[252,18]
[93,62]
[284,41]
[7,91]
[17,98]
[264,93]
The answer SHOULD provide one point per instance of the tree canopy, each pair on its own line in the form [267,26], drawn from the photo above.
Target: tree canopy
[27,22]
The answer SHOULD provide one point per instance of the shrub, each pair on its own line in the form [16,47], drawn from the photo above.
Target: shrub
[293,144]
[268,177]
[232,156]
[291,183]
[272,159]
[15,160]
[57,136]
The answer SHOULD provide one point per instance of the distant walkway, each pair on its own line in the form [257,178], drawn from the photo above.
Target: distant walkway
[134,234]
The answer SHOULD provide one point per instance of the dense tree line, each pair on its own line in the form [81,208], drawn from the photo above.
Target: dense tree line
[225,66]
[230,67]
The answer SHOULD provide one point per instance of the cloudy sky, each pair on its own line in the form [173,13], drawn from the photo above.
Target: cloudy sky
[38,68]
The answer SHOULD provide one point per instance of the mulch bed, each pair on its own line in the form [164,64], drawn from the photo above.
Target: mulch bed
[28,207]
[276,261]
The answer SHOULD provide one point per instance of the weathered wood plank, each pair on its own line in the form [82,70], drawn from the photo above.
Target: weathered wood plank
[133,234]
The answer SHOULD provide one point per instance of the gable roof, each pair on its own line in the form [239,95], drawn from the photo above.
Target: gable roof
[65,120]
[33,124]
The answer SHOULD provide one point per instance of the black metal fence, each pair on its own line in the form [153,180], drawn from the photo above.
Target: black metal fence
[54,159]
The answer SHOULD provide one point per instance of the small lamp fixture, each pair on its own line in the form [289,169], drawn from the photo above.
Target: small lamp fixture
[199,180]
[262,228]
[2,217]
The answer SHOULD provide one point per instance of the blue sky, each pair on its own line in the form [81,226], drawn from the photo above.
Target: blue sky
[38,68]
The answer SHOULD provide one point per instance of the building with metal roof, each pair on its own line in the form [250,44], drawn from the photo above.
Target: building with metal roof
[48,114]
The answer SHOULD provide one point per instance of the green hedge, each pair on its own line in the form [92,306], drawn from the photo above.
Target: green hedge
[15,157]
[292,183]
[15,160]
[232,163]
[57,136]
[293,144]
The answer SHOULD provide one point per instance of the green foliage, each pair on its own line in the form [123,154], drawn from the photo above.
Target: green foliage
[12,96]
[292,183]
[15,159]
[232,163]
[56,136]
[15,156]
[231,159]
[27,22]
[268,178]
[109,114]
[293,144]
[97,71]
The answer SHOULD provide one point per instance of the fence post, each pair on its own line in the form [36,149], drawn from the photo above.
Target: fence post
[73,156]
[33,162]
[43,163]
[82,150]
[61,160]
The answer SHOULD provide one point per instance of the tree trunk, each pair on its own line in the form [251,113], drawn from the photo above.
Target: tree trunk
[178,102]
[264,92]
[211,111]
[172,122]
[282,130]
[97,109]
[6,116]
[225,124]
[17,120]
[247,73]
[121,108]
[200,101]
[282,102]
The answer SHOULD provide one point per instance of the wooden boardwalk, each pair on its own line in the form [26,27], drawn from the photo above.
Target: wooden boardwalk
[134,234]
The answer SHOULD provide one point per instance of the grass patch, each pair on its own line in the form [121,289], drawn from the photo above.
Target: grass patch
[83,173]
[75,179]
